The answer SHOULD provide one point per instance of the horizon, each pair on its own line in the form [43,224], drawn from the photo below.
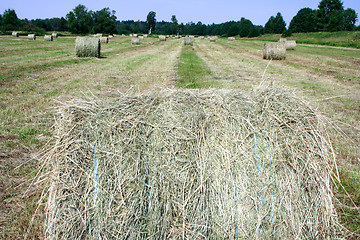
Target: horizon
[207,12]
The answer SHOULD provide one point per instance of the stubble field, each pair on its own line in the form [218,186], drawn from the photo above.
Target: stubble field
[37,76]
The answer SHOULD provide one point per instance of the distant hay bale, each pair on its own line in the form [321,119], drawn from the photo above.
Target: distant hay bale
[191,164]
[111,36]
[282,40]
[141,37]
[123,35]
[231,38]
[290,45]
[162,38]
[98,35]
[135,35]
[15,34]
[54,35]
[87,47]
[212,39]
[48,38]
[275,51]
[135,41]
[31,37]
[189,41]
[145,35]
[201,37]
[104,40]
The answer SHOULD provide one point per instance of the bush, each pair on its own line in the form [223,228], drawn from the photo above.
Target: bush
[286,33]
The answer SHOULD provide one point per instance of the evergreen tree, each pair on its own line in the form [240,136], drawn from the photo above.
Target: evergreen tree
[10,20]
[104,21]
[275,24]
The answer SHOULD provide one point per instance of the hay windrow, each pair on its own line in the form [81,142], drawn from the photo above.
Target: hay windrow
[275,51]
[87,47]
[212,164]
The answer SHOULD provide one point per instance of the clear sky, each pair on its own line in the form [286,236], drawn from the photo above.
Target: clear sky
[206,11]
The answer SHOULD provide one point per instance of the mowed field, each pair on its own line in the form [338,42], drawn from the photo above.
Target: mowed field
[37,76]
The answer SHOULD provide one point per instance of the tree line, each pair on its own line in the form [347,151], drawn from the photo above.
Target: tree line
[330,16]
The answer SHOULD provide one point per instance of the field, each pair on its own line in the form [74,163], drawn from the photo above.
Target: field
[37,76]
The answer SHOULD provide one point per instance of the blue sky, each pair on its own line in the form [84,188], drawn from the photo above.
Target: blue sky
[206,11]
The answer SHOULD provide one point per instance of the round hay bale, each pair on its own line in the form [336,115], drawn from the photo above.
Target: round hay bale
[31,37]
[212,39]
[162,38]
[141,37]
[15,34]
[135,35]
[145,35]
[104,40]
[98,35]
[48,38]
[282,40]
[201,37]
[189,41]
[55,35]
[135,41]
[191,164]
[275,51]
[290,45]
[231,38]
[87,47]
[111,36]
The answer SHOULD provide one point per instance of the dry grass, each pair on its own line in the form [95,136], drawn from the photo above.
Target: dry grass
[191,164]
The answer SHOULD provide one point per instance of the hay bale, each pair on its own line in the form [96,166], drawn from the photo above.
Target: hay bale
[135,35]
[231,38]
[15,34]
[104,40]
[162,38]
[111,36]
[282,40]
[201,37]
[135,41]
[87,47]
[98,35]
[31,37]
[48,38]
[290,45]
[141,37]
[275,51]
[200,164]
[189,41]
[212,39]
[54,35]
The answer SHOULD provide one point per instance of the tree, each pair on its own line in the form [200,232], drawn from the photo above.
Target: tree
[174,25]
[104,21]
[269,25]
[275,24]
[10,20]
[304,21]
[233,30]
[350,18]
[245,27]
[325,11]
[151,21]
[79,20]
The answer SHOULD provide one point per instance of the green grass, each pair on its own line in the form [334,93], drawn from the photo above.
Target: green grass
[339,39]
[192,71]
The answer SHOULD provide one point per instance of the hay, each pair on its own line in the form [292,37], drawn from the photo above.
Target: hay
[141,37]
[87,47]
[212,39]
[55,35]
[145,35]
[111,36]
[15,34]
[290,45]
[282,40]
[135,35]
[201,37]
[104,40]
[48,38]
[31,37]
[135,41]
[162,38]
[189,41]
[275,51]
[98,35]
[231,38]
[212,164]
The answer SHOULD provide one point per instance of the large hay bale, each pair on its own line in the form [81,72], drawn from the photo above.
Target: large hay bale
[87,47]
[282,40]
[231,38]
[211,164]
[290,45]
[275,51]
[31,37]
[55,35]
[162,38]
[189,41]
[135,41]
[15,34]
[104,40]
[212,39]
[48,38]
